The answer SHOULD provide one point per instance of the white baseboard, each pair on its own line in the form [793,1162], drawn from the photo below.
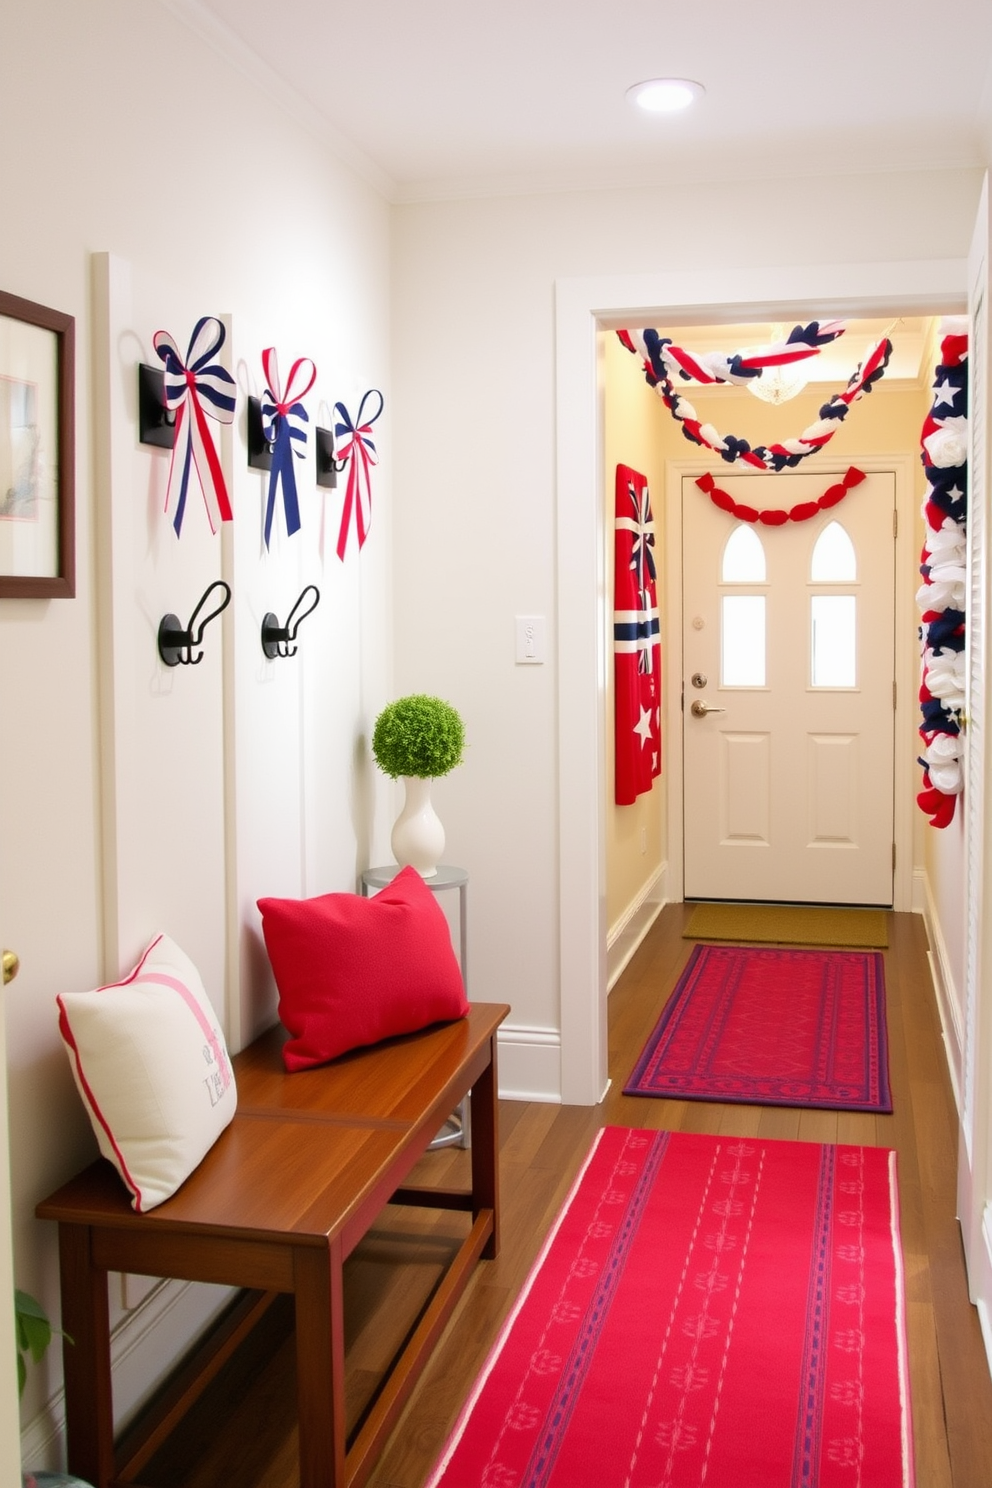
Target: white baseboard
[146,1345]
[654,891]
[529,1064]
[946,992]
[919,891]
[626,933]
[983,1285]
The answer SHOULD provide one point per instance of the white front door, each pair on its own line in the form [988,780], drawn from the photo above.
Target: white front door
[788,666]
[10,1425]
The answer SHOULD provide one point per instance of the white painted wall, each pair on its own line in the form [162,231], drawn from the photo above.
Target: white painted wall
[196,791]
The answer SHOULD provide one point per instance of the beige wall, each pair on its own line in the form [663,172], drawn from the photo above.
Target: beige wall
[636,835]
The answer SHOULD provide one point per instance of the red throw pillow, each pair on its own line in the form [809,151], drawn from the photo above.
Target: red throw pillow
[352,971]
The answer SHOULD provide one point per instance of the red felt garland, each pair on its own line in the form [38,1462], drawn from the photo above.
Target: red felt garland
[776,517]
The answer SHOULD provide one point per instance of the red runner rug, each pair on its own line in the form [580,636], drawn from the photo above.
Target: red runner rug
[707,1312]
[772,1027]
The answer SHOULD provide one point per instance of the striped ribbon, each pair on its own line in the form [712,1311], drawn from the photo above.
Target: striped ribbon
[195,389]
[354,444]
[284,421]
[659,367]
[739,367]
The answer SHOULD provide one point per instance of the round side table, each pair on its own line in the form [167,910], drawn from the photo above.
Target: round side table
[455,1132]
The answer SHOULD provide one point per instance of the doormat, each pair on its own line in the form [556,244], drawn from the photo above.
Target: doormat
[772,1027]
[706,1310]
[800,924]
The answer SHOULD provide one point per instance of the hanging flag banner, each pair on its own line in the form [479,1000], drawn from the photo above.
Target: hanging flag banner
[284,421]
[636,641]
[197,388]
[355,446]
[942,595]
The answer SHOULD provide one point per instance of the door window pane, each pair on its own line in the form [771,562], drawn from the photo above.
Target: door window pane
[834,560]
[742,648]
[833,621]
[743,557]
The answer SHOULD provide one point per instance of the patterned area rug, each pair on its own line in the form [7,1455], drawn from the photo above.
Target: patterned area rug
[788,924]
[706,1311]
[772,1027]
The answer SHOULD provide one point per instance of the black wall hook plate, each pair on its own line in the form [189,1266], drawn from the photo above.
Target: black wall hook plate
[327,466]
[259,449]
[156,423]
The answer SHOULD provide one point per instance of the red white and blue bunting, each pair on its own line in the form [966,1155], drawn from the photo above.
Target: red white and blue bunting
[942,597]
[197,388]
[284,421]
[354,445]
[662,361]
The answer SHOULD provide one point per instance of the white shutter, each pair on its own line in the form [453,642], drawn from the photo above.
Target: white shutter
[975,1153]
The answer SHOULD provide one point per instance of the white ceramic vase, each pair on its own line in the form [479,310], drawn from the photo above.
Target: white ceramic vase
[418,836]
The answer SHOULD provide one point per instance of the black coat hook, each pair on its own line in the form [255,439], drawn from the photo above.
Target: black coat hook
[279,640]
[175,645]
[328,467]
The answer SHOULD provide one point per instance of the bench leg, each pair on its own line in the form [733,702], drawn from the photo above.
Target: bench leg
[485,1149]
[320,1365]
[89,1410]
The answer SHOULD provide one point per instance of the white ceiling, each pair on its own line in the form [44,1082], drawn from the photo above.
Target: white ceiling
[437,98]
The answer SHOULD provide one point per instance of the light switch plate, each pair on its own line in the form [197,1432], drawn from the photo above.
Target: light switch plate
[531,645]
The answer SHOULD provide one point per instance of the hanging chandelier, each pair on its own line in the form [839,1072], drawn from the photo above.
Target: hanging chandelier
[777,384]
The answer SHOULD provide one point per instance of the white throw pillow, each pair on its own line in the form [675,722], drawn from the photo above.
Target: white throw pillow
[150,1062]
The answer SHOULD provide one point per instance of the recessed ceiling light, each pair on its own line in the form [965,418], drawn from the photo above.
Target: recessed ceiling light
[665,95]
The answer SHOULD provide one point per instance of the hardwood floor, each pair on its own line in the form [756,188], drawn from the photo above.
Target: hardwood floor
[243,1432]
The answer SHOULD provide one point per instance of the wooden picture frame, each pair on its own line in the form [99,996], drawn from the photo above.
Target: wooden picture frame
[37,451]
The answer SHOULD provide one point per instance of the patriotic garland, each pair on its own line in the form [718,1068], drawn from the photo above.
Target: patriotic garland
[284,421]
[357,448]
[776,517]
[195,389]
[662,360]
[941,598]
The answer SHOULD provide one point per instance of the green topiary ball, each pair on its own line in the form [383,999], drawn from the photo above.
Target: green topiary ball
[418,735]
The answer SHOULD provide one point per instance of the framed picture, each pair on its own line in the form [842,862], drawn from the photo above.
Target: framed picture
[37,446]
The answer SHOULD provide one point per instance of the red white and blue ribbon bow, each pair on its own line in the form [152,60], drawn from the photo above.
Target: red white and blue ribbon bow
[196,389]
[284,421]
[354,444]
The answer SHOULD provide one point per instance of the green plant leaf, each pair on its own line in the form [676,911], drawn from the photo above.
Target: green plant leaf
[34,1331]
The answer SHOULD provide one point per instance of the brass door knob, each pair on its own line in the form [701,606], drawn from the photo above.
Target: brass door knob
[700,708]
[11,966]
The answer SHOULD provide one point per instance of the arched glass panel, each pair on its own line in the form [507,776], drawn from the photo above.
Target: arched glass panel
[834,560]
[743,557]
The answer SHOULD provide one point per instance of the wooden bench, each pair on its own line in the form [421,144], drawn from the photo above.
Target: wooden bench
[276,1206]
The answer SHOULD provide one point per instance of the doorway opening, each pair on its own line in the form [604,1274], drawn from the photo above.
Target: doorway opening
[584,309]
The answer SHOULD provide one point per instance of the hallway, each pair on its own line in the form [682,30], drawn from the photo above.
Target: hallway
[542,1146]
